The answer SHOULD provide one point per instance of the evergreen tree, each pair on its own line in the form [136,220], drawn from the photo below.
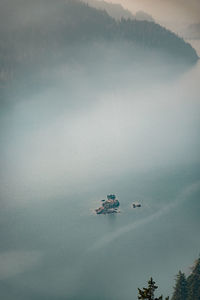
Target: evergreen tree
[180,289]
[148,293]
[193,282]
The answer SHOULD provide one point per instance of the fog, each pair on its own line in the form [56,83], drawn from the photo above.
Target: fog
[108,118]
[93,128]
[92,125]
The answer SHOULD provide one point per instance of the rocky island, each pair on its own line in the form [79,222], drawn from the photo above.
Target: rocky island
[109,206]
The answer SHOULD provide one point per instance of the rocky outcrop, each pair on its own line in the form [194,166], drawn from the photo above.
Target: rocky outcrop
[109,206]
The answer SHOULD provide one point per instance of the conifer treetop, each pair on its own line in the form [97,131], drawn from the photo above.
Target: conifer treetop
[148,293]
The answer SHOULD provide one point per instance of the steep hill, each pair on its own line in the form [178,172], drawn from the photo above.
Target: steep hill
[35,33]
[117,11]
[192,31]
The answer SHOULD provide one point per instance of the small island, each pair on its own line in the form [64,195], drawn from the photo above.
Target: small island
[109,206]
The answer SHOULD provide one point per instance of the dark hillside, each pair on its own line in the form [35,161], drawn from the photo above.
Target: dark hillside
[35,34]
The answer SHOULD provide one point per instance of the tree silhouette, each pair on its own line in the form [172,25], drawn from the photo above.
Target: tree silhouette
[148,293]
[194,282]
[180,289]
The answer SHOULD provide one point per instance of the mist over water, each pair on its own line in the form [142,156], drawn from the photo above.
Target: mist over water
[89,131]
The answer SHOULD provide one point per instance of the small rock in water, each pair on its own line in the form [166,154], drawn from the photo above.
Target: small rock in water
[136,205]
[109,206]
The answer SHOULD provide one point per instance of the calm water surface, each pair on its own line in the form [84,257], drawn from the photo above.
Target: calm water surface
[57,168]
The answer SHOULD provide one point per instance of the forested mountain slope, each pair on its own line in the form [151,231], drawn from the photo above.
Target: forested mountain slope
[35,33]
[117,11]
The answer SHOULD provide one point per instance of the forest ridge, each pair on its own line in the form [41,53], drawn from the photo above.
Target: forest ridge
[56,25]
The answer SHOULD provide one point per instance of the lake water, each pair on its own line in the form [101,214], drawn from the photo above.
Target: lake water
[58,163]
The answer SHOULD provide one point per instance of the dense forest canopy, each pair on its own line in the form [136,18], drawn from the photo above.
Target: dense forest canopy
[42,32]
[188,288]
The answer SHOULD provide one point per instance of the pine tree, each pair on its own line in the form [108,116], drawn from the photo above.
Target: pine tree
[180,289]
[148,293]
[193,282]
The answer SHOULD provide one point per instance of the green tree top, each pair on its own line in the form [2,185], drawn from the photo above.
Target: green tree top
[180,289]
[148,293]
[193,282]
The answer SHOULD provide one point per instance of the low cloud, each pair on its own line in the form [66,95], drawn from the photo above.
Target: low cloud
[13,263]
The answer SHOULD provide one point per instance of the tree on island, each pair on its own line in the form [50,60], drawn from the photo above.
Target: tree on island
[148,293]
[193,282]
[180,289]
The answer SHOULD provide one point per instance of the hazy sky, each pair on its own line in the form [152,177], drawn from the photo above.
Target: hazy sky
[180,11]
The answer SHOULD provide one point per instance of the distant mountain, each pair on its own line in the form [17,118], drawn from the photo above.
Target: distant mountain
[43,32]
[114,10]
[117,11]
[142,16]
[191,32]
